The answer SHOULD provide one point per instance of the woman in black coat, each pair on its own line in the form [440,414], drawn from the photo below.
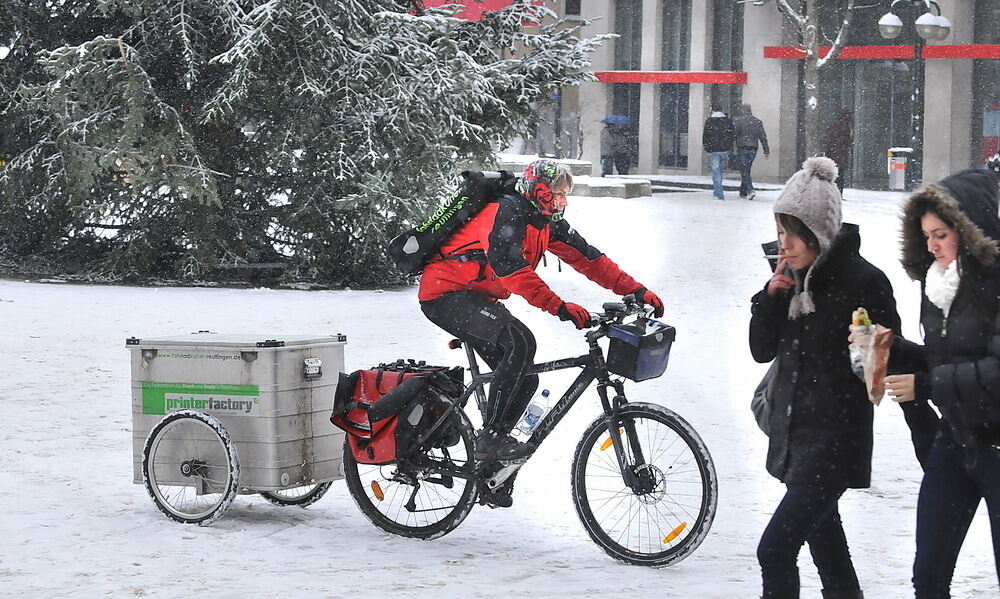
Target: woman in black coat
[821,418]
[949,242]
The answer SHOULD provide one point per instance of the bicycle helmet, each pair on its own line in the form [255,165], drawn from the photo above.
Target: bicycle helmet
[538,184]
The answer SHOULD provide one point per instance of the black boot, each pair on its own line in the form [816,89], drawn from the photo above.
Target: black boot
[502,496]
[499,447]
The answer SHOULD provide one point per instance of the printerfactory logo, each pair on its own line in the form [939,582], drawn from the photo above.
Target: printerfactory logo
[229,405]
[221,400]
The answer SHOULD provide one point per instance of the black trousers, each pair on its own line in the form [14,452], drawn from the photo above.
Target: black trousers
[504,342]
[807,514]
[956,480]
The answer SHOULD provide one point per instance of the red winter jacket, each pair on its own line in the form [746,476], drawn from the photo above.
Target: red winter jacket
[496,253]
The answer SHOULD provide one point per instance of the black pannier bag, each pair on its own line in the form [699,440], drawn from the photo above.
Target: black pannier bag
[384,410]
[411,250]
[640,349]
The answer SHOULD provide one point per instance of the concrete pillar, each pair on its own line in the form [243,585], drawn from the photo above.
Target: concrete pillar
[762,26]
[596,97]
[698,97]
[948,100]
[649,97]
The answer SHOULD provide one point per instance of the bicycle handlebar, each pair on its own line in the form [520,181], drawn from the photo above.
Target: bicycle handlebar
[616,312]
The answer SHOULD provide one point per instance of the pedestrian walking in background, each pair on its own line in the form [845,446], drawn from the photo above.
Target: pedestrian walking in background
[717,138]
[950,237]
[749,132]
[838,141]
[616,149]
[821,419]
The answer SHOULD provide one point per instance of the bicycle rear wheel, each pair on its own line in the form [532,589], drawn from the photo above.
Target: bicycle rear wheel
[421,496]
[667,514]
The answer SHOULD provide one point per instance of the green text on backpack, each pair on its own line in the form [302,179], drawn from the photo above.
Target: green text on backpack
[413,249]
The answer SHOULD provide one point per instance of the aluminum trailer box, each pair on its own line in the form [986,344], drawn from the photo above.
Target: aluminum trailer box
[271,394]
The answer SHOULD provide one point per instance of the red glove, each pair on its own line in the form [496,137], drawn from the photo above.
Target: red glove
[575,312]
[650,299]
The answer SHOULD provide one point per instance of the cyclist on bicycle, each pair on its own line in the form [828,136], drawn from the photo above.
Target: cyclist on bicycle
[495,254]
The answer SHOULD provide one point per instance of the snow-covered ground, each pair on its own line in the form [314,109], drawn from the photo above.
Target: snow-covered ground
[72,524]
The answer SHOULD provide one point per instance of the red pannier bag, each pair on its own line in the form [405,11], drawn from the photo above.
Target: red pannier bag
[372,430]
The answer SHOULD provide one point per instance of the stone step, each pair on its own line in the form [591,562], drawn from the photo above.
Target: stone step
[611,187]
[583,183]
[516,163]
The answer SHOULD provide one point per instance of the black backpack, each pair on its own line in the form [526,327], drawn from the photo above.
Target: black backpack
[413,249]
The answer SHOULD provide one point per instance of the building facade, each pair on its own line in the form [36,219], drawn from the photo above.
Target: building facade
[674,58]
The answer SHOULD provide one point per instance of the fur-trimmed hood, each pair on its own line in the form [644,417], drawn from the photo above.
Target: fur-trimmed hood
[966,201]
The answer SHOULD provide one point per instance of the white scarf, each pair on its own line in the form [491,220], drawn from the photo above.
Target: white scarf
[942,285]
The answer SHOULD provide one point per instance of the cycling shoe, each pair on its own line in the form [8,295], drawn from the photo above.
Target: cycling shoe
[501,448]
[501,497]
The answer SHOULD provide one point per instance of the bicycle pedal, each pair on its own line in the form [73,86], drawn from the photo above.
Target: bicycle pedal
[503,474]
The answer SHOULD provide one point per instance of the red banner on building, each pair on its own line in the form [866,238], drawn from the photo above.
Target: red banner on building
[473,10]
[987,51]
[729,77]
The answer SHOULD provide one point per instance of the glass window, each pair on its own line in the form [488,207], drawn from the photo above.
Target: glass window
[572,7]
[676,35]
[727,51]
[625,101]
[673,124]
[986,86]
[628,25]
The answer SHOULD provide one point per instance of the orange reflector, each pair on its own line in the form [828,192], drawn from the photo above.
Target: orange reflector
[608,442]
[675,532]
[377,490]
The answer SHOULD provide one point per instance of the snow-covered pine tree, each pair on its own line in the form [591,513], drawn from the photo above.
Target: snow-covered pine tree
[35,212]
[196,136]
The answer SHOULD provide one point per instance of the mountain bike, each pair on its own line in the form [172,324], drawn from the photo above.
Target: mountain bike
[643,482]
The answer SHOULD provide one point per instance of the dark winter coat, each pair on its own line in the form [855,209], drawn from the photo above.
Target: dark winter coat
[958,367]
[496,253]
[838,140]
[821,418]
[718,134]
[749,131]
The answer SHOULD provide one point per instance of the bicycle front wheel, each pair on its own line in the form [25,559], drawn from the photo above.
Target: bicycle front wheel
[667,511]
[426,495]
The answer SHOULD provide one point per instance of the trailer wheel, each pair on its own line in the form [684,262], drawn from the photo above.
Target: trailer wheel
[298,496]
[190,467]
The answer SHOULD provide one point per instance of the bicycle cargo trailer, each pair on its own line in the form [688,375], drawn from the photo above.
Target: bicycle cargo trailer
[269,397]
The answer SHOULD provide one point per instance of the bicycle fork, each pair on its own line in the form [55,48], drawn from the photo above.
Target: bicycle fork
[617,429]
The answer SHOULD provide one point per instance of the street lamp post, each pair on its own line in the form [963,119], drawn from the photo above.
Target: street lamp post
[929,26]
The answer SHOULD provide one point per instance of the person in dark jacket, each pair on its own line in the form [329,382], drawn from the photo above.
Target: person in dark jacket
[616,149]
[821,419]
[950,240]
[717,138]
[495,254]
[749,132]
[838,142]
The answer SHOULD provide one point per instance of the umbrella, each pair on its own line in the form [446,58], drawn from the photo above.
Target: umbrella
[617,119]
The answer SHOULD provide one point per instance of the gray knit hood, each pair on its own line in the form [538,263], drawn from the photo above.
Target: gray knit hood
[811,196]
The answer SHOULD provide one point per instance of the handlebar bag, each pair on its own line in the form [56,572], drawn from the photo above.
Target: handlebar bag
[640,350]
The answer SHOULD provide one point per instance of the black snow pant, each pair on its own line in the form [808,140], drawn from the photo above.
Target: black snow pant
[807,514]
[504,342]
